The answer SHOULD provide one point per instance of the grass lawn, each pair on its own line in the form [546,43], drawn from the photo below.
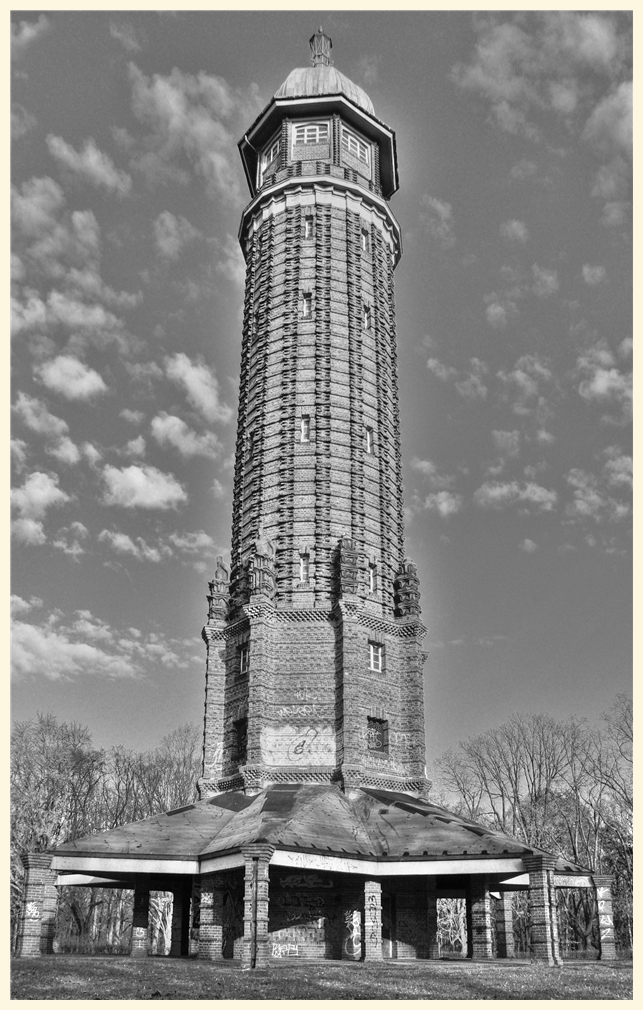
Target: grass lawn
[78,977]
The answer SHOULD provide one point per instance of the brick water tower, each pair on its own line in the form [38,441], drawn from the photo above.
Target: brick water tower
[313,835]
[314,670]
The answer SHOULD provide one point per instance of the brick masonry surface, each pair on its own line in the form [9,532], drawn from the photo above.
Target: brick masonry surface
[318,583]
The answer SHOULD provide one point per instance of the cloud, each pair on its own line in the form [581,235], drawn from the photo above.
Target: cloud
[68,539]
[71,378]
[514,231]
[135,447]
[142,487]
[36,205]
[545,281]
[34,414]
[18,452]
[65,451]
[601,379]
[28,531]
[133,416]
[170,430]
[470,386]
[528,546]
[62,309]
[52,653]
[21,121]
[172,234]
[593,275]
[88,283]
[200,385]
[197,542]
[27,32]
[186,543]
[20,606]
[609,131]
[186,115]
[89,646]
[524,381]
[615,213]
[64,247]
[445,503]
[441,371]
[125,34]
[507,442]
[428,469]
[610,125]
[533,497]
[231,262]
[548,61]
[501,309]
[524,169]
[139,549]
[545,437]
[591,500]
[618,467]
[437,217]
[90,164]
[39,493]
[91,453]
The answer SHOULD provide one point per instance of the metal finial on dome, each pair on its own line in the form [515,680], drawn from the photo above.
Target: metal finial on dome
[320,47]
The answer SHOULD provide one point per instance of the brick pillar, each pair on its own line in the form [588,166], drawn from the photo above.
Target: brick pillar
[256,901]
[38,914]
[607,940]
[372,920]
[432,946]
[180,919]
[545,945]
[353,660]
[211,921]
[195,916]
[261,614]
[505,926]
[140,920]
[479,902]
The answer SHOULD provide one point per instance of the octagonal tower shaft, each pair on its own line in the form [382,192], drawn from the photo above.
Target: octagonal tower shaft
[314,662]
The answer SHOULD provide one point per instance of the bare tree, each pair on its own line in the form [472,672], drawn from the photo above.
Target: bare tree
[561,786]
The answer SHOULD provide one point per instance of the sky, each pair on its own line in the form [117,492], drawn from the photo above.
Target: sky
[513,301]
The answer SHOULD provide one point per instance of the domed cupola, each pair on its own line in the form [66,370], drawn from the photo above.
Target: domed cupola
[322,78]
[320,124]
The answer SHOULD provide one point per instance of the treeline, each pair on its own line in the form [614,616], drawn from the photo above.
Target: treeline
[63,788]
[563,786]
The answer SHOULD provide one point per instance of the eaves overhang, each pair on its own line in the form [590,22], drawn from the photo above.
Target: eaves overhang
[280,108]
[102,867]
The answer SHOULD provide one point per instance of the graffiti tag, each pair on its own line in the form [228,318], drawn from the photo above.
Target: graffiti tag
[285,949]
[305,880]
[353,942]
[373,916]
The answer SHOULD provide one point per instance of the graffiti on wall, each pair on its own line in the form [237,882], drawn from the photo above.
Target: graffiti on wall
[298,745]
[605,920]
[308,901]
[353,928]
[285,949]
[305,880]
[372,914]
